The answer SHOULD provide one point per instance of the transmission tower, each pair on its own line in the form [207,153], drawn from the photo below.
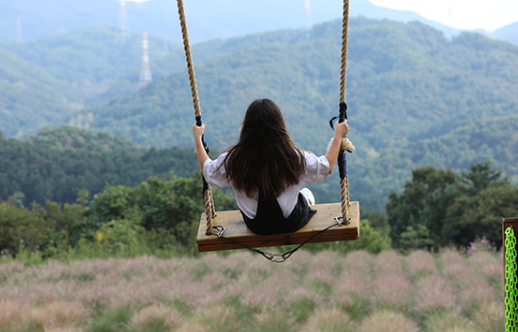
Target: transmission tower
[123,22]
[145,72]
[307,7]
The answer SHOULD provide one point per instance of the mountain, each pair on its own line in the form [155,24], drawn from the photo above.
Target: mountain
[406,82]
[48,79]
[30,97]
[90,59]
[508,33]
[207,19]
[201,52]
[493,139]
[407,85]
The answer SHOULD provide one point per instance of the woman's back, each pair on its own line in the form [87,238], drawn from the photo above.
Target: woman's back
[265,161]
[266,170]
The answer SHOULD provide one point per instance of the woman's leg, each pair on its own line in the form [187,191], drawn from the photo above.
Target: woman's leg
[308,195]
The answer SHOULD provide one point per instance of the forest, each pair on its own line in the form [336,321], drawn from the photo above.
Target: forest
[437,208]
[60,161]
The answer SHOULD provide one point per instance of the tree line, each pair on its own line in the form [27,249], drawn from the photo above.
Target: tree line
[437,208]
[55,164]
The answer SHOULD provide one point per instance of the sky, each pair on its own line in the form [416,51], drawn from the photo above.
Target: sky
[460,14]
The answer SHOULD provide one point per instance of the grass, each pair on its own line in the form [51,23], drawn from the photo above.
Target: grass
[326,292]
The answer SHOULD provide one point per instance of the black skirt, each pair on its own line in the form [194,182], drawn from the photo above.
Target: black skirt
[270,220]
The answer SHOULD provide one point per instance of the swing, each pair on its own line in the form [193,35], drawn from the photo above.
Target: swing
[226,230]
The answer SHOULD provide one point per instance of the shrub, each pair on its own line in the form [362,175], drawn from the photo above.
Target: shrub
[328,320]
[388,321]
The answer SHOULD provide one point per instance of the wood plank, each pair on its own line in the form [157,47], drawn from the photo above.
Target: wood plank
[236,229]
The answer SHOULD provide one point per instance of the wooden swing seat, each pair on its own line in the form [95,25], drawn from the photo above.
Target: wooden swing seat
[236,229]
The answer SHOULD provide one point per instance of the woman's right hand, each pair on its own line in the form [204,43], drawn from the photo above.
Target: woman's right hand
[198,131]
[341,129]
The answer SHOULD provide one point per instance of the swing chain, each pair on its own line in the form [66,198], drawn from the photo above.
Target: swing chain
[274,257]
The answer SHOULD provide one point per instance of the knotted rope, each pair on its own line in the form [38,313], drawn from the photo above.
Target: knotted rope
[342,162]
[207,191]
[345,32]
[188,58]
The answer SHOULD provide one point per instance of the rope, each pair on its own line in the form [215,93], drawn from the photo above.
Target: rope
[344,197]
[210,211]
[209,206]
[213,207]
[188,58]
[511,303]
[345,31]
[348,196]
[344,181]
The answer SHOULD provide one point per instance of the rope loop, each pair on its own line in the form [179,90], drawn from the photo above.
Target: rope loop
[220,231]
[343,222]
[277,258]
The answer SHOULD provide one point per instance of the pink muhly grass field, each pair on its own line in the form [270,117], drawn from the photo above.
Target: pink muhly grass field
[242,292]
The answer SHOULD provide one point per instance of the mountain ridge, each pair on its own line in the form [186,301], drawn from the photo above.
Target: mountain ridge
[410,66]
[207,20]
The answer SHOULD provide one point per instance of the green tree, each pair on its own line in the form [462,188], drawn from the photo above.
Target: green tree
[416,238]
[481,176]
[455,209]
[424,201]
[472,216]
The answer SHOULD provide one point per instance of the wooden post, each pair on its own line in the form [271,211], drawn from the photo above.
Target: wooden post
[506,223]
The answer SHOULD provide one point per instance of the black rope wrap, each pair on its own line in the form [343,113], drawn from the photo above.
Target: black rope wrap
[206,147]
[343,112]
[342,160]
[342,164]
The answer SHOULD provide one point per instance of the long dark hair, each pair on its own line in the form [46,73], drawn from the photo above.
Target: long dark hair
[265,161]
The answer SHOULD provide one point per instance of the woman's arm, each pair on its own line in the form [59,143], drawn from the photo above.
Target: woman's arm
[341,129]
[200,149]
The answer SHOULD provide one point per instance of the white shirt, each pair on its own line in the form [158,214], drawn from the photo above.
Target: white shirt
[317,170]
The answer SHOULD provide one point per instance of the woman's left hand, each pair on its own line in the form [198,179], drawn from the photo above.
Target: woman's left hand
[198,131]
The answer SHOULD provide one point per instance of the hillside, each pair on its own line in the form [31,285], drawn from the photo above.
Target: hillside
[46,80]
[91,59]
[493,139]
[30,97]
[202,52]
[58,162]
[406,82]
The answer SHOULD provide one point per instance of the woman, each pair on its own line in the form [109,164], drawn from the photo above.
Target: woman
[266,170]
